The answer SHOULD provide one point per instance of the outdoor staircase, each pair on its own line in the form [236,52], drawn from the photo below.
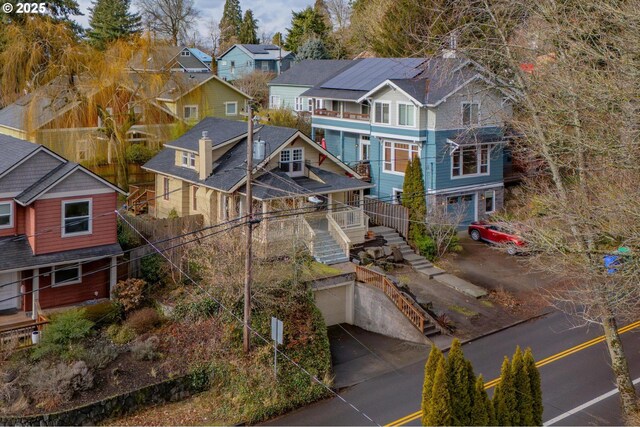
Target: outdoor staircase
[326,250]
[417,262]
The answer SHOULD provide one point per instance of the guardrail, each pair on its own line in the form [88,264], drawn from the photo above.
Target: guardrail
[417,317]
[339,235]
[348,218]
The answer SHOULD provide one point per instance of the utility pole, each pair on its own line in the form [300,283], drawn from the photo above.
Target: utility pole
[247,265]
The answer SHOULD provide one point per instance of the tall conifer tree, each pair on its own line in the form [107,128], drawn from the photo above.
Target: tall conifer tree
[429,374]
[230,24]
[440,407]
[110,20]
[249,29]
[522,386]
[482,412]
[459,384]
[504,397]
[536,388]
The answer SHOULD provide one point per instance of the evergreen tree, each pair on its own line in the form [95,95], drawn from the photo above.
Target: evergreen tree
[482,411]
[230,24]
[414,198]
[504,397]
[277,39]
[249,29]
[522,387]
[321,8]
[305,25]
[429,374]
[440,406]
[536,388]
[110,20]
[312,49]
[458,377]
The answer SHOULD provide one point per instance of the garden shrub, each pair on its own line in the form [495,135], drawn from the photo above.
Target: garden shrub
[130,293]
[143,320]
[53,384]
[195,310]
[63,336]
[147,349]
[152,269]
[101,355]
[120,334]
[103,313]
[127,238]
[138,154]
[427,247]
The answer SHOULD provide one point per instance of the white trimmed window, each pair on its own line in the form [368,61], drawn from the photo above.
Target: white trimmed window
[82,150]
[185,53]
[265,66]
[406,115]
[66,275]
[274,101]
[470,161]
[188,160]
[310,104]
[381,110]
[231,108]
[320,104]
[470,113]
[6,215]
[489,201]
[298,103]
[76,217]
[365,148]
[190,112]
[397,196]
[396,155]
[291,161]
[165,188]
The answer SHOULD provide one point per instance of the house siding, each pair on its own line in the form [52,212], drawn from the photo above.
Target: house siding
[210,99]
[77,181]
[179,197]
[288,95]
[244,64]
[48,222]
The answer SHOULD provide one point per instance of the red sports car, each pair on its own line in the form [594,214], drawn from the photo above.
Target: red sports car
[497,234]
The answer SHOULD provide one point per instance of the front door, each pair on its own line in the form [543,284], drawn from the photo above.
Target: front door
[9,291]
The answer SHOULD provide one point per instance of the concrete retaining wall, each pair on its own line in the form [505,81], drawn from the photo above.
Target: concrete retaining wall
[374,312]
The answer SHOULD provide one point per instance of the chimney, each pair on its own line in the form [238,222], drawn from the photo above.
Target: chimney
[205,153]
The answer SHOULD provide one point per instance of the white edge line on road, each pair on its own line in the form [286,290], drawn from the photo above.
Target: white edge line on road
[585,405]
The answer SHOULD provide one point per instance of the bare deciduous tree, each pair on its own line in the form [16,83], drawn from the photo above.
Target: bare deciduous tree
[170,18]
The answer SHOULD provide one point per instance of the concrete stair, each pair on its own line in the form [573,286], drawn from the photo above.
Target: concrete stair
[417,262]
[326,250]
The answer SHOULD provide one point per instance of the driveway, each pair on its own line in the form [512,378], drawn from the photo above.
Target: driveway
[484,265]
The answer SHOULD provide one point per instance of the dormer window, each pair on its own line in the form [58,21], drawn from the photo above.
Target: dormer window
[185,53]
[188,160]
[291,161]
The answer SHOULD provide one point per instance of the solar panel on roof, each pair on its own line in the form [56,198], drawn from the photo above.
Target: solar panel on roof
[370,72]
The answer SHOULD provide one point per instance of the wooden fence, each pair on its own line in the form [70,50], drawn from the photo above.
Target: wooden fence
[419,318]
[388,215]
[137,175]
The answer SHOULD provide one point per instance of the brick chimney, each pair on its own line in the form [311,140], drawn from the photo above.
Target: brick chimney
[205,154]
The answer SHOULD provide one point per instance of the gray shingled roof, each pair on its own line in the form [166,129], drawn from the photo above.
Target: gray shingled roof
[370,72]
[45,182]
[159,57]
[220,131]
[17,254]
[318,92]
[260,51]
[311,72]
[13,150]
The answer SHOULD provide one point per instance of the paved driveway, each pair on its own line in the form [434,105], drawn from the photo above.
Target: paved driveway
[484,265]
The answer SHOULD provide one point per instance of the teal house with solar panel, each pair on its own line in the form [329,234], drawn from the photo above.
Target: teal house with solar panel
[377,113]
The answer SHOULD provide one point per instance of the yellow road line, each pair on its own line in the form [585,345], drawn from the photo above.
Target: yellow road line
[414,416]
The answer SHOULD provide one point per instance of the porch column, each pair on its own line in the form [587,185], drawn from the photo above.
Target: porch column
[361,199]
[35,292]
[330,202]
[113,275]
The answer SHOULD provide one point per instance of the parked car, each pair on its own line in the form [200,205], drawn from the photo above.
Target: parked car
[496,234]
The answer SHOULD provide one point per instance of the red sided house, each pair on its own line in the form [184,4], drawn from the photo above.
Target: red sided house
[58,232]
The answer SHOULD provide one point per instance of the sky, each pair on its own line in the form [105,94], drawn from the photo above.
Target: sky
[272,15]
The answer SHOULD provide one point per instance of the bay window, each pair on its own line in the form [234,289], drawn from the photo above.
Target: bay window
[472,160]
[396,155]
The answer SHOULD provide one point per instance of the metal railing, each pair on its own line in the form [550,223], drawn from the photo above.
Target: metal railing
[417,317]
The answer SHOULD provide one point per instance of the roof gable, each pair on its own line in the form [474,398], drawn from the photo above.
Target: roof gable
[259,51]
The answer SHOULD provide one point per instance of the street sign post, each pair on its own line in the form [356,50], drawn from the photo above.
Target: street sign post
[276,336]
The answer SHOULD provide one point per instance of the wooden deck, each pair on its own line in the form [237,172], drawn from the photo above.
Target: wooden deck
[11,321]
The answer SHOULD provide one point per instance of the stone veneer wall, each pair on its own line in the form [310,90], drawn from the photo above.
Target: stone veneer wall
[167,391]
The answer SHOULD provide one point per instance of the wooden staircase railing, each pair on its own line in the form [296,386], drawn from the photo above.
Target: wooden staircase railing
[420,319]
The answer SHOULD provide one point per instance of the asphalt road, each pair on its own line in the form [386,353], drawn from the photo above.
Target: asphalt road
[568,381]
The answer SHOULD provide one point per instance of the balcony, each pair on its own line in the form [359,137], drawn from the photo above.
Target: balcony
[344,115]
